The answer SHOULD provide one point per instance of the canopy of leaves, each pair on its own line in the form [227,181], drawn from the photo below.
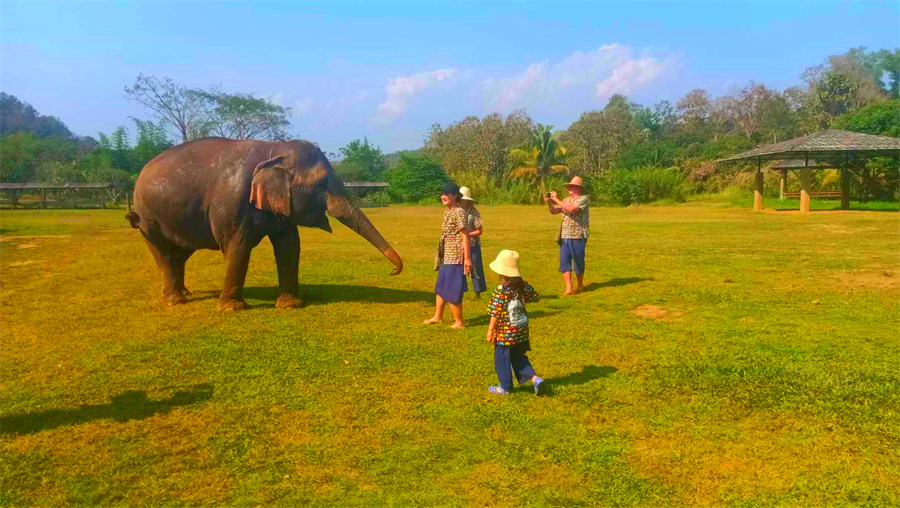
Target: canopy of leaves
[539,158]
[416,177]
[361,162]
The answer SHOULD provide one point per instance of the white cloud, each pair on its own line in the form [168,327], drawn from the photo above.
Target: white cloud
[303,105]
[402,88]
[580,77]
[631,75]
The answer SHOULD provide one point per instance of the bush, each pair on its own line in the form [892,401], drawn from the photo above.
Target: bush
[643,185]
[415,178]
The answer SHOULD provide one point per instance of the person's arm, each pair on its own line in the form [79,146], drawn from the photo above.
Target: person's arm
[568,207]
[553,208]
[475,232]
[492,326]
[467,255]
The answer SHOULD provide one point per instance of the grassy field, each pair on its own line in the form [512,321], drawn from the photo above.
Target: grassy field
[719,357]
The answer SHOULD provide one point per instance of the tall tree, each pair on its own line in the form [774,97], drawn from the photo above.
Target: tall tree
[540,158]
[243,116]
[361,161]
[181,109]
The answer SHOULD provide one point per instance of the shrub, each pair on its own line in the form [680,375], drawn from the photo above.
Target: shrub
[643,185]
[415,178]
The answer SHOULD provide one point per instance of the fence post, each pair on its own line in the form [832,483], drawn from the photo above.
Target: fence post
[43,198]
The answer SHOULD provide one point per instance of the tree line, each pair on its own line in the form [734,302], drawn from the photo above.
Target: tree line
[628,152]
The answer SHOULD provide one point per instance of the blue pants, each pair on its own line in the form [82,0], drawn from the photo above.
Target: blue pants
[479,284]
[509,359]
[571,252]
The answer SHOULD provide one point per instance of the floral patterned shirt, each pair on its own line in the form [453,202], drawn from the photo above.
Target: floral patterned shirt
[454,222]
[575,224]
[504,333]
[473,222]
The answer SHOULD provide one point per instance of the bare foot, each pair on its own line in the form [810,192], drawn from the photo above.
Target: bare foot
[578,291]
[457,326]
[568,293]
[432,321]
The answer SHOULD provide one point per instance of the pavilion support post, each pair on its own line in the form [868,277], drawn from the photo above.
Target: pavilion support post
[782,184]
[43,198]
[805,180]
[128,200]
[758,191]
[845,189]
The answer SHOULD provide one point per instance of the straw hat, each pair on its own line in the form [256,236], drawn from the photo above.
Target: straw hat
[507,263]
[576,182]
[467,194]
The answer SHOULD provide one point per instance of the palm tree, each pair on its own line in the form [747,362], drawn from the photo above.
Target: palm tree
[539,158]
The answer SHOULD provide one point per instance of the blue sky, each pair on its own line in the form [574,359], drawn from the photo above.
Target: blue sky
[390,71]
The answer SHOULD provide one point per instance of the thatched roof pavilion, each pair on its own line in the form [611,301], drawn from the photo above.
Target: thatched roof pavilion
[830,147]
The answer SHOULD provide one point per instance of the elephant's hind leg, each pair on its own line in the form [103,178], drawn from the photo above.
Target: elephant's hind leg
[286,245]
[237,260]
[170,259]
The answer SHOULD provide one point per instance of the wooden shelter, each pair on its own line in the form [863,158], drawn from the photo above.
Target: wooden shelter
[833,148]
[101,191]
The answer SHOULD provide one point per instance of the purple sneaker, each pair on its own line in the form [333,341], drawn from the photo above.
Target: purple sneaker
[541,387]
[497,390]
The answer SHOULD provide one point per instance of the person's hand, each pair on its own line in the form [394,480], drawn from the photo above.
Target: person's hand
[489,337]
[467,267]
[553,196]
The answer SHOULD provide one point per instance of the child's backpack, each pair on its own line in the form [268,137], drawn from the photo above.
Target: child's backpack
[516,311]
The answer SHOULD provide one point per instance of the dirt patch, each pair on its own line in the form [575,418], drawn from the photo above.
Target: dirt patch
[21,263]
[27,246]
[654,312]
[871,280]
[33,237]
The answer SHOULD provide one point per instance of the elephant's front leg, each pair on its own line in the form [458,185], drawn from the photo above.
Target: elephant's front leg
[237,259]
[287,257]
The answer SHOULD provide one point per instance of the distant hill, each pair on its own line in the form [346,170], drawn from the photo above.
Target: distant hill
[393,159]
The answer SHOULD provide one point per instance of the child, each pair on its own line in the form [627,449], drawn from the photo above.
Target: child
[508,330]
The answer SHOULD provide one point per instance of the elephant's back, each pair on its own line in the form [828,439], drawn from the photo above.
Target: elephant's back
[174,191]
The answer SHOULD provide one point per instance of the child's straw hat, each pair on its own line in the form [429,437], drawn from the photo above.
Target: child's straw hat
[507,263]
[467,194]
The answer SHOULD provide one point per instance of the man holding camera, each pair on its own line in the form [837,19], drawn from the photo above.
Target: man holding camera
[573,232]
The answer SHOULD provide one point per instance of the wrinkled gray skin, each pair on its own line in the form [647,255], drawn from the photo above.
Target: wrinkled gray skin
[198,196]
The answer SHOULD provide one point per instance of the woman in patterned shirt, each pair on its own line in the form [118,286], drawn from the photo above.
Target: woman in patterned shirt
[474,228]
[456,263]
[573,232]
[508,329]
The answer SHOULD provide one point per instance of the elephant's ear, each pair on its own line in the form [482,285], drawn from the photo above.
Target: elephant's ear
[271,186]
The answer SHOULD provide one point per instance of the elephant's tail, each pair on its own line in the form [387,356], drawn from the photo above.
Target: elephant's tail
[133,218]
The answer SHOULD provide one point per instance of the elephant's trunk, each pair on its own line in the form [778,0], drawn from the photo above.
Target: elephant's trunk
[342,209]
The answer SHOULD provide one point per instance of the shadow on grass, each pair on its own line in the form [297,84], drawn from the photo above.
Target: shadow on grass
[318,294]
[622,281]
[130,405]
[587,374]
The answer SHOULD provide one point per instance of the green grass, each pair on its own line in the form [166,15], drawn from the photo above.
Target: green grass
[720,357]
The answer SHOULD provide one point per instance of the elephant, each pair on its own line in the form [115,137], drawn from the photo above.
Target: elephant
[224,194]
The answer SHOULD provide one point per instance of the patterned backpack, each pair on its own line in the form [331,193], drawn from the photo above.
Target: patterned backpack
[518,317]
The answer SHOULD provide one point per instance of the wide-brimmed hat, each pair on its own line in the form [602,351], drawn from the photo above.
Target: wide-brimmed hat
[576,182]
[467,194]
[506,264]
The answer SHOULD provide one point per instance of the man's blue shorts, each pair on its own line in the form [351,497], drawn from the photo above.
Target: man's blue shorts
[571,255]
